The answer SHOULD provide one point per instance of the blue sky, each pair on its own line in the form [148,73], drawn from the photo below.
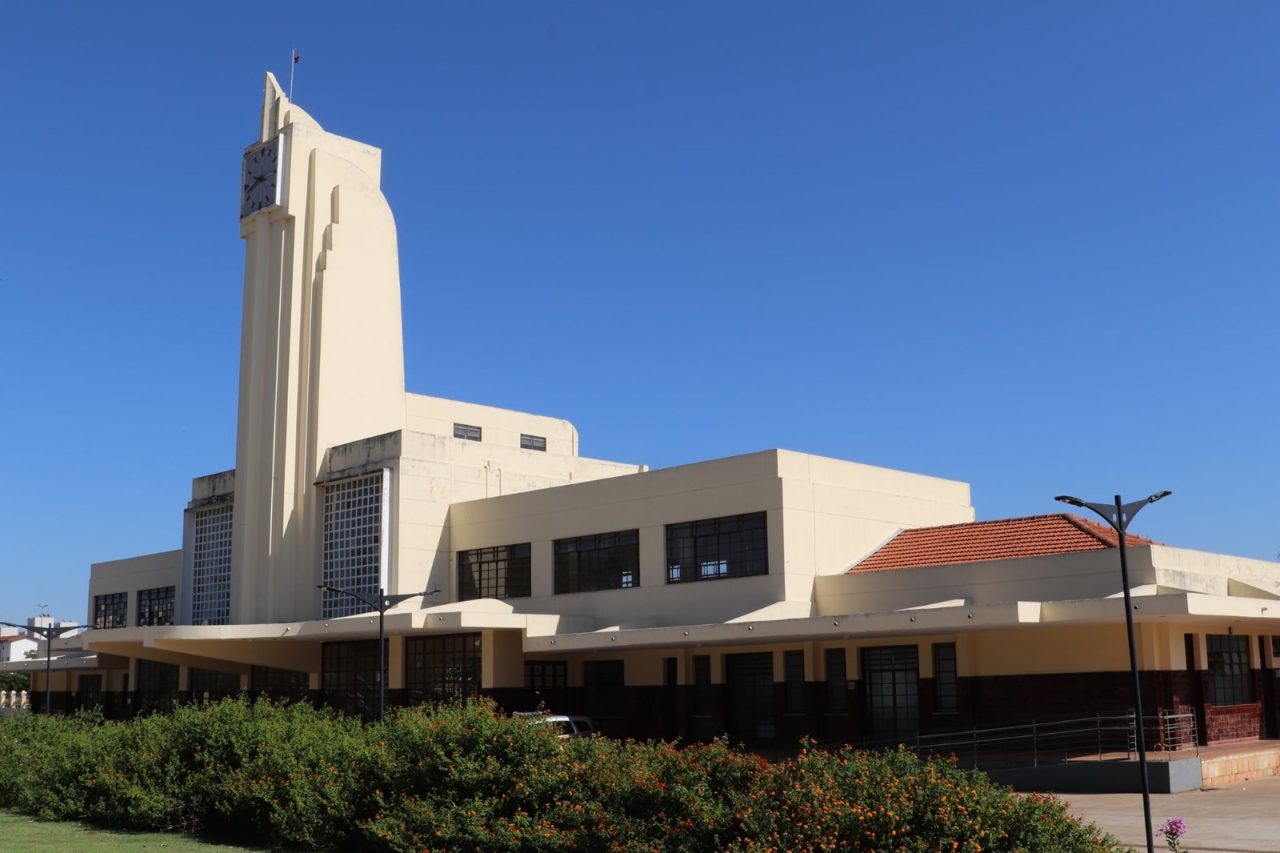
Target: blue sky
[1029,246]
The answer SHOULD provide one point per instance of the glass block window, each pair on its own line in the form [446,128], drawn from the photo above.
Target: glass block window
[598,561]
[278,682]
[604,688]
[731,547]
[545,674]
[109,611]
[442,669]
[501,572]
[837,682]
[946,697]
[793,666]
[352,543]
[533,442]
[211,567]
[155,606]
[466,431]
[1230,679]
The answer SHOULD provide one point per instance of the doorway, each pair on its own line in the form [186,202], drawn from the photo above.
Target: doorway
[749,688]
[892,675]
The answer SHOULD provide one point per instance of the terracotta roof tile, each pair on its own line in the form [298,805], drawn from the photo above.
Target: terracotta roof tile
[1000,539]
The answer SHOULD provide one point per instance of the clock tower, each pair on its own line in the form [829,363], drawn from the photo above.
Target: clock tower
[321,352]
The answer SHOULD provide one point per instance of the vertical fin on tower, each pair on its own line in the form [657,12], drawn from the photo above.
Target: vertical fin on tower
[273,103]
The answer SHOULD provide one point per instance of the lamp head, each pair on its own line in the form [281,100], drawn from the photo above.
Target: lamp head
[1067,499]
[1158,495]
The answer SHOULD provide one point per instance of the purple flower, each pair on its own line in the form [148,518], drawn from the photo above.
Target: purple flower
[1173,830]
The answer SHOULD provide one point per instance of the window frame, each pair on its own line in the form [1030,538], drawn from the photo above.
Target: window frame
[722,548]
[111,610]
[1230,670]
[519,553]
[468,432]
[595,557]
[533,442]
[155,606]
[946,679]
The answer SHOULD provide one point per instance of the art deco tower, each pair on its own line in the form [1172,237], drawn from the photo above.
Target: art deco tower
[322,354]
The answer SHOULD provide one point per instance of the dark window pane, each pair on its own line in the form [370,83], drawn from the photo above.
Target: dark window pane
[945,683]
[714,548]
[794,666]
[837,682]
[109,610]
[599,561]
[603,684]
[1230,678]
[155,606]
[442,669]
[467,431]
[494,572]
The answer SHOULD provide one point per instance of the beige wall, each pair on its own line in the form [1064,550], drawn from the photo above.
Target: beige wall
[130,575]
[822,515]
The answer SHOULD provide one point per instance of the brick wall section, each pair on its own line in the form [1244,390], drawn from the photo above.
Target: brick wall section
[1233,722]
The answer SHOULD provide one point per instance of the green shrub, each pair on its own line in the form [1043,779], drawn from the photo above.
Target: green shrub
[466,777]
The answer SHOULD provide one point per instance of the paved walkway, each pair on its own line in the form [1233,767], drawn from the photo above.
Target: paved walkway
[1243,818]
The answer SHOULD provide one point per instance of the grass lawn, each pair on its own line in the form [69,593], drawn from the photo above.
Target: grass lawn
[19,832]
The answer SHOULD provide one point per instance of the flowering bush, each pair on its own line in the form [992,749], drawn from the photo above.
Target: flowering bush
[466,777]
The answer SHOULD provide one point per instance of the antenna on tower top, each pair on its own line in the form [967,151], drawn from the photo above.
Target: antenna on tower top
[295,56]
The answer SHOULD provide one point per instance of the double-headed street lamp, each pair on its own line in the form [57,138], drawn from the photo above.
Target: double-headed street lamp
[1118,515]
[381,603]
[50,633]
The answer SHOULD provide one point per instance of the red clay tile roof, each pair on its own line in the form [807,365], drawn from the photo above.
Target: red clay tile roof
[1000,539]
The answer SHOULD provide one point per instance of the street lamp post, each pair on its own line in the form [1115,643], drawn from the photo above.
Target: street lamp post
[50,632]
[1118,515]
[382,603]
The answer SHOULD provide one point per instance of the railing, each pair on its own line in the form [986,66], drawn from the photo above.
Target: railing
[1055,742]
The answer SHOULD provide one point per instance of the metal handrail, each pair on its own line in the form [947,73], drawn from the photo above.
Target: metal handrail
[1053,741]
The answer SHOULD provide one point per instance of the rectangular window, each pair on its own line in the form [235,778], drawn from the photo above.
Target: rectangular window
[501,572]
[599,561]
[352,557]
[703,697]
[157,685]
[349,676]
[794,670]
[155,606]
[442,669]
[211,684]
[533,442]
[109,611]
[275,682]
[837,682]
[545,674]
[946,695]
[731,547]
[1230,678]
[467,431]
[604,688]
[211,567]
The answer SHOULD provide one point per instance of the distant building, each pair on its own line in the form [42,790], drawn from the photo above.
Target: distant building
[768,595]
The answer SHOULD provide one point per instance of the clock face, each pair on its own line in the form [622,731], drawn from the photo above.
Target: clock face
[260,182]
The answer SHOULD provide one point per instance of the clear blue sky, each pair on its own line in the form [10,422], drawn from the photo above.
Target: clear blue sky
[1029,246]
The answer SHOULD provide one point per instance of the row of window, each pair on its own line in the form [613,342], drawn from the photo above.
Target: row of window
[470,432]
[155,607]
[729,547]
